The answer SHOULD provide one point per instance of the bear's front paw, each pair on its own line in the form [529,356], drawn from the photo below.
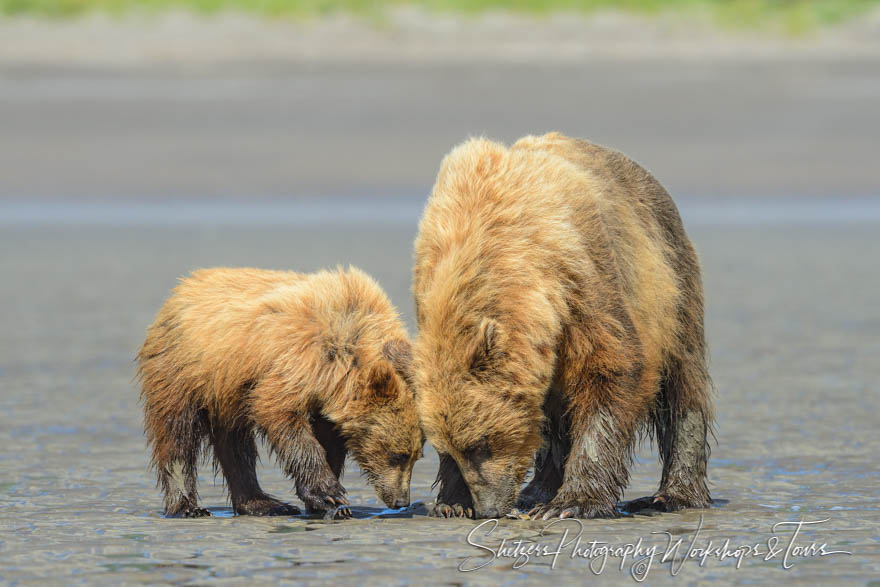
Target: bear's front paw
[665,502]
[266,506]
[456,510]
[573,509]
[326,497]
[189,512]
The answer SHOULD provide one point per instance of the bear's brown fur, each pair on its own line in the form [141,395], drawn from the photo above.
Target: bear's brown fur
[560,313]
[315,364]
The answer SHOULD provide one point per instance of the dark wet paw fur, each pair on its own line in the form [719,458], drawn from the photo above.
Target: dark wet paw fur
[189,512]
[266,506]
[569,509]
[529,499]
[663,502]
[326,497]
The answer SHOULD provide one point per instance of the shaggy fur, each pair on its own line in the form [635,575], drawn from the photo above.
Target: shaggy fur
[560,314]
[314,364]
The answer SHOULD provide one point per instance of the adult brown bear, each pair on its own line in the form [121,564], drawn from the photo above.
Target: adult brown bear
[560,313]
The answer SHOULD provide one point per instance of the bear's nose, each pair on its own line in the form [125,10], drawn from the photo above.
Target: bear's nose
[489,512]
[401,503]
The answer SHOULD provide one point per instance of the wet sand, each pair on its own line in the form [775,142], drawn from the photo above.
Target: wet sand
[793,322]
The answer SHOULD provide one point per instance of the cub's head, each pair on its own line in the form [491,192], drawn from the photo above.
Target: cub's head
[385,437]
[478,406]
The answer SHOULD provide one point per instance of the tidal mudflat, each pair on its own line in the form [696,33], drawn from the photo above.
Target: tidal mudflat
[794,329]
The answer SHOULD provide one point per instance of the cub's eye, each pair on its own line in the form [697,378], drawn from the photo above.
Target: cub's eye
[398,459]
[479,452]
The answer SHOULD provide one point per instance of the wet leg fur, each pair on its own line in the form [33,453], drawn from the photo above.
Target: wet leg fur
[681,429]
[550,460]
[235,454]
[332,443]
[544,485]
[596,470]
[608,399]
[453,498]
[177,447]
[303,458]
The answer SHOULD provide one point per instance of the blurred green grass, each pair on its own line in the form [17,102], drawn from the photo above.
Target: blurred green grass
[789,16]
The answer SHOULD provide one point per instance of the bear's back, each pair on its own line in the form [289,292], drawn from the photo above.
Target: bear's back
[553,205]
[651,249]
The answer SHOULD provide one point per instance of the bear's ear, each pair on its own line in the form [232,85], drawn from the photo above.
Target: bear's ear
[380,387]
[399,354]
[486,347]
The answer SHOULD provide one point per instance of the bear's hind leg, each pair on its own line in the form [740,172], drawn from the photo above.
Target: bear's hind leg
[681,423]
[235,451]
[177,445]
[454,498]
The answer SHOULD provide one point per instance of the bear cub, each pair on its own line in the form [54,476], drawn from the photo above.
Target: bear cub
[314,364]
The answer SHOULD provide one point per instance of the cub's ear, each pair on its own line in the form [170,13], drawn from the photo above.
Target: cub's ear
[486,347]
[399,353]
[380,385]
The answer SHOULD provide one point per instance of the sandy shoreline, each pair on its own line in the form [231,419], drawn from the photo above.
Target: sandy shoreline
[184,40]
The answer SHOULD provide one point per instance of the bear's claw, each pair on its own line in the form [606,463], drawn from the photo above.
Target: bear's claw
[338,513]
[327,498]
[568,510]
[443,510]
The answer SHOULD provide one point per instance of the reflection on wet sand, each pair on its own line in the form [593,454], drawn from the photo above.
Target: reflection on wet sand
[792,322]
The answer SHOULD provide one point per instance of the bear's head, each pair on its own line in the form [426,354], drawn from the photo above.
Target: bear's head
[479,405]
[385,438]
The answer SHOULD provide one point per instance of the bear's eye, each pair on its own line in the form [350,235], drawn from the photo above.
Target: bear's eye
[479,452]
[398,459]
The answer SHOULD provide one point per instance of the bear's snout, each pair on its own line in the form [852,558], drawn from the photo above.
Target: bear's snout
[397,499]
[486,507]
[494,501]
[394,495]
[400,498]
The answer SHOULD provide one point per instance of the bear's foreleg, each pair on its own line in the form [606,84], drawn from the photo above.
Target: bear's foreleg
[550,460]
[605,411]
[454,498]
[332,442]
[235,452]
[544,485]
[596,471]
[304,460]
